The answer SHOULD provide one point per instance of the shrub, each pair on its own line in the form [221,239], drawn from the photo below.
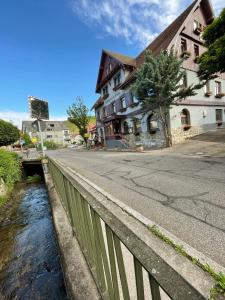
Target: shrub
[9,133]
[10,168]
[50,145]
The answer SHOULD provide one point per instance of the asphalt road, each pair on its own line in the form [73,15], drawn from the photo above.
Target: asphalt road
[184,193]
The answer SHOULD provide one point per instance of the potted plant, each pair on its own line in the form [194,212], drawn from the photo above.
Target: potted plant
[208,94]
[185,54]
[186,127]
[220,95]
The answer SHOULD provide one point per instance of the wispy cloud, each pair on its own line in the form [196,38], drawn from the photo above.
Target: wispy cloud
[16,118]
[137,21]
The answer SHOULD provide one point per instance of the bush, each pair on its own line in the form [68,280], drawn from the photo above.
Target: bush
[50,145]
[10,168]
[9,133]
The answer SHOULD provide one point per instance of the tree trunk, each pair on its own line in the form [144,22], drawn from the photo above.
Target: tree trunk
[165,127]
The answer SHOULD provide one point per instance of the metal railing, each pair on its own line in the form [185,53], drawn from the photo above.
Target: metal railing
[123,266]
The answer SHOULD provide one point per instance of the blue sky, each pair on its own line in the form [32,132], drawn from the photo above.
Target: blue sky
[51,48]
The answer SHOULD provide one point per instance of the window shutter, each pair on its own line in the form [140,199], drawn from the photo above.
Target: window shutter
[118,105]
[129,98]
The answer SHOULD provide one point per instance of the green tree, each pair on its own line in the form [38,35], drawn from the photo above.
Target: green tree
[159,84]
[213,60]
[26,138]
[9,133]
[78,115]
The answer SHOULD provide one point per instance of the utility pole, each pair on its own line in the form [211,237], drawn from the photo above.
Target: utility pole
[41,137]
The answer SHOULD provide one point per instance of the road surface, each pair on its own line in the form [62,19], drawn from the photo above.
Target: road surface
[184,193]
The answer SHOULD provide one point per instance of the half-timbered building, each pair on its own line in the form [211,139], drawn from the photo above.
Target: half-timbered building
[121,122]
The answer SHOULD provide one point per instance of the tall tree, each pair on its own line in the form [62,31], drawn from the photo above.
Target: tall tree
[160,83]
[213,60]
[78,115]
[9,133]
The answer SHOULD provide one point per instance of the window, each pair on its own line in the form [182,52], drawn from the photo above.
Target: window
[105,90]
[207,88]
[52,125]
[49,129]
[219,117]
[125,127]
[137,126]
[185,119]
[98,115]
[104,112]
[49,136]
[113,107]
[195,24]
[217,88]
[152,125]
[196,50]
[183,45]
[117,79]
[183,82]
[123,102]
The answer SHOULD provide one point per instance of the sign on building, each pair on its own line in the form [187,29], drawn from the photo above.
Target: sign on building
[38,108]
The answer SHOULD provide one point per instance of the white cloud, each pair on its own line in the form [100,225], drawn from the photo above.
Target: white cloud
[16,118]
[137,21]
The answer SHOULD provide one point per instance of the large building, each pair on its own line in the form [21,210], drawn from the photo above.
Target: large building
[56,131]
[121,121]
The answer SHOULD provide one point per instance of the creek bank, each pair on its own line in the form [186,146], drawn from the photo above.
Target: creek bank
[29,261]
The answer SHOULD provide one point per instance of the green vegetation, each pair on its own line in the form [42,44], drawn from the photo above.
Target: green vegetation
[10,171]
[50,145]
[213,60]
[219,287]
[9,133]
[34,179]
[161,82]
[78,115]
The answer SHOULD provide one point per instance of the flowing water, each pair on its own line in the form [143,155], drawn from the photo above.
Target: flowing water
[29,257]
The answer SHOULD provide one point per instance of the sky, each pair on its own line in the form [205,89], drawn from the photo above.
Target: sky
[51,49]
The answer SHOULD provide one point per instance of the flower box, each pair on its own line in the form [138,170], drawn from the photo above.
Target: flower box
[134,104]
[186,127]
[185,54]
[220,95]
[208,94]
[198,30]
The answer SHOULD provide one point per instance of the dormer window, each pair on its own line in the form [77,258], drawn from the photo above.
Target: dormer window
[117,79]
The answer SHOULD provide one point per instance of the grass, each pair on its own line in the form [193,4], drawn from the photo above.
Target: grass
[219,287]
[33,179]
[3,200]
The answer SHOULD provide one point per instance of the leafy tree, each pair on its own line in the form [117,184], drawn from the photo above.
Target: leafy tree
[78,115]
[26,138]
[213,60]
[159,84]
[9,133]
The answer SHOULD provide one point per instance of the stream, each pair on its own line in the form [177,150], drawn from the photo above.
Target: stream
[29,256]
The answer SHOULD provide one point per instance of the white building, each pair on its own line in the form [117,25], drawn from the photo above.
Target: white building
[120,119]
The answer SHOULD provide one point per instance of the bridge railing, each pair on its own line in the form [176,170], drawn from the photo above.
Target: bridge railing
[123,266]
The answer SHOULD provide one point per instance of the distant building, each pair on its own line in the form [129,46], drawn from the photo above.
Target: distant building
[56,131]
[120,118]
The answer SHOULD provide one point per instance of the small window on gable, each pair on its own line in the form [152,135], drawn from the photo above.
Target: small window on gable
[195,24]
[117,79]
[105,90]
[123,102]
[183,45]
